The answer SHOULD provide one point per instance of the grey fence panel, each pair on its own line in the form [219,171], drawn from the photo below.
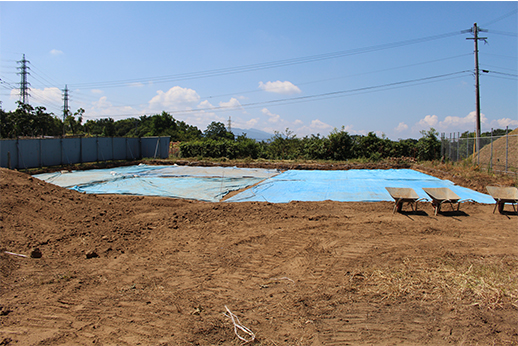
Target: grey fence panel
[8,153]
[51,152]
[104,148]
[119,149]
[28,153]
[133,148]
[31,153]
[89,149]
[71,150]
[157,147]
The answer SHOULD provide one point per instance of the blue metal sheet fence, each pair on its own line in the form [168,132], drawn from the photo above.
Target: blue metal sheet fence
[32,153]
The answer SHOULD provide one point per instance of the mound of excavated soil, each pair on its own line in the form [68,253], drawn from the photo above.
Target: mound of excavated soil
[125,270]
[497,157]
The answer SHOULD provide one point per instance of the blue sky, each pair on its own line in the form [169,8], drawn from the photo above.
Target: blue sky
[394,68]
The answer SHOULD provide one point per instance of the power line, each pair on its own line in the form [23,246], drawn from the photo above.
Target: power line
[501,56]
[490,75]
[7,85]
[347,76]
[500,18]
[332,94]
[499,67]
[261,66]
[501,73]
[47,78]
[503,33]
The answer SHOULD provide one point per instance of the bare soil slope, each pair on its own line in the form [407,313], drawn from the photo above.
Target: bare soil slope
[499,151]
[123,270]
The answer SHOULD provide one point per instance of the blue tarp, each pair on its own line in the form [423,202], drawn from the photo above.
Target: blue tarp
[213,183]
[201,183]
[360,185]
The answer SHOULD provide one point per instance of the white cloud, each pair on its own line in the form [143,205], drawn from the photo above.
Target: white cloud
[251,123]
[103,108]
[205,104]
[56,52]
[201,119]
[401,127]
[502,123]
[102,103]
[450,123]
[458,122]
[232,103]
[136,85]
[279,87]
[316,126]
[176,98]
[429,121]
[96,91]
[14,94]
[272,118]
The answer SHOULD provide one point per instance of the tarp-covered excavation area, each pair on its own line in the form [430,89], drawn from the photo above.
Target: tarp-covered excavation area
[213,183]
[355,185]
[209,184]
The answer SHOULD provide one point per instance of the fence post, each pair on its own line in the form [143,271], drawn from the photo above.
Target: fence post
[477,148]
[97,148]
[140,147]
[467,145]
[449,148]
[442,144]
[17,153]
[491,153]
[157,145]
[506,146]
[458,146]
[40,160]
[81,149]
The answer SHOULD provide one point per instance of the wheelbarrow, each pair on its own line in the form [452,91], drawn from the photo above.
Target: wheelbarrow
[503,195]
[441,195]
[403,195]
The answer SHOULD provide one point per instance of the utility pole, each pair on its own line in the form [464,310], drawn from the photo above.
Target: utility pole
[65,107]
[229,125]
[24,85]
[475,30]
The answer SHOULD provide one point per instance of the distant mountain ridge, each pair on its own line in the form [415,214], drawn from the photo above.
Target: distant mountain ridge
[258,135]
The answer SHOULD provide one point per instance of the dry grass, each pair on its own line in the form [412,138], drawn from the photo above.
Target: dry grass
[498,153]
[489,283]
[464,171]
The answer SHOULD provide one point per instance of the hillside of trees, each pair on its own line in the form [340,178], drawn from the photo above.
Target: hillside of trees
[217,142]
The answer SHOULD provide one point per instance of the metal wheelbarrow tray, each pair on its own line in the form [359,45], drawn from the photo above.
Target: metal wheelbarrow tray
[403,195]
[503,195]
[442,195]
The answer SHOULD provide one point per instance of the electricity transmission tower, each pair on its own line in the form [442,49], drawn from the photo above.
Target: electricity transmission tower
[24,85]
[475,30]
[65,107]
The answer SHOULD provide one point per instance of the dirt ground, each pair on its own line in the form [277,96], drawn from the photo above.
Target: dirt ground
[126,270]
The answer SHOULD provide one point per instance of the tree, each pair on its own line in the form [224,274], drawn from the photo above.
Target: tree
[29,121]
[216,130]
[428,146]
[340,145]
[73,125]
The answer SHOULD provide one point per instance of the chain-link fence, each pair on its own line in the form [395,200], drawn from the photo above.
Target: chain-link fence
[496,154]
